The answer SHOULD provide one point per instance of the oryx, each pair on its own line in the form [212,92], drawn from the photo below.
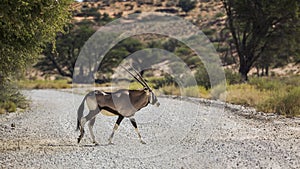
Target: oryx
[122,103]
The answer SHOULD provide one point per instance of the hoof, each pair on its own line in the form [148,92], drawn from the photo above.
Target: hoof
[78,140]
[143,142]
[96,143]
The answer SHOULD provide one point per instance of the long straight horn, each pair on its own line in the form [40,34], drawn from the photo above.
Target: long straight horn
[141,78]
[134,77]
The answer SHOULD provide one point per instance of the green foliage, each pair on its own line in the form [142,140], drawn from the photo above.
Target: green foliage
[219,15]
[162,81]
[25,27]
[170,45]
[119,52]
[171,90]
[244,94]
[232,77]
[11,98]
[289,104]
[187,5]
[9,106]
[270,95]
[196,91]
[60,57]
[262,29]
[217,91]
[104,19]
[283,97]
[202,77]
[267,84]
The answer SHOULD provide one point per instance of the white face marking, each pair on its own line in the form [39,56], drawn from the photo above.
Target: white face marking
[153,100]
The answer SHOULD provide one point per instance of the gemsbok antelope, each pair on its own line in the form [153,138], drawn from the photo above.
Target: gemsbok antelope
[122,103]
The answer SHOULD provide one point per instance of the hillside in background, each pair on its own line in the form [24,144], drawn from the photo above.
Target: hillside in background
[208,15]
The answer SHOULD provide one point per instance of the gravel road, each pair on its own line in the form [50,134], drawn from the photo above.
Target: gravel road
[179,134]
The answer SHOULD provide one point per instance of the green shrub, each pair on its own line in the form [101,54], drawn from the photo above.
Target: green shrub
[219,15]
[289,104]
[267,84]
[202,77]
[9,106]
[217,91]
[159,82]
[196,91]
[2,110]
[11,98]
[244,94]
[232,77]
[192,91]
[170,90]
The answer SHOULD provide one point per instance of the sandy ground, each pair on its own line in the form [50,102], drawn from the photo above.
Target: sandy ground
[179,134]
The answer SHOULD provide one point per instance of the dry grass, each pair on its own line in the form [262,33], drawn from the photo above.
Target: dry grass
[44,84]
[245,94]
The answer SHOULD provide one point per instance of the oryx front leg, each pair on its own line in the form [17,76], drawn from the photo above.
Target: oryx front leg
[133,122]
[119,120]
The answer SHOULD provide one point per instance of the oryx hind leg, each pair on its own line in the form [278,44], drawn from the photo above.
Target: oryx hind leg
[133,122]
[116,126]
[91,125]
[85,119]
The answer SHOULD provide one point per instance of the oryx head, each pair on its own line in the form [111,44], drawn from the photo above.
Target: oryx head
[152,98]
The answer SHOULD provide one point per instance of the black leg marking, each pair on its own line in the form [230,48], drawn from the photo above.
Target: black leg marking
[133,122]
[118,122]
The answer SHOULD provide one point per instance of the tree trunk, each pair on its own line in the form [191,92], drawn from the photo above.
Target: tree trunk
[244,70]
[267,70]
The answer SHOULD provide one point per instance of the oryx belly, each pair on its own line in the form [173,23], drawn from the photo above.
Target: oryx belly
[107,113]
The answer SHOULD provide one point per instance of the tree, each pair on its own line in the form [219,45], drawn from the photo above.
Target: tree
[25,27]
[187,5]
[254,24]
[118,53]
[60,57]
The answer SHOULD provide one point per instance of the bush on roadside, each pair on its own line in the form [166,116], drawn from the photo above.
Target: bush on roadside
[289,103]
[170,90]
[196,91]
[44,84]
[217,91]
[11,98]
[244,94]
[267,84]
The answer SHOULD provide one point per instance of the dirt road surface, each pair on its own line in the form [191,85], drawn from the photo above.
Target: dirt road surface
[179,134]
